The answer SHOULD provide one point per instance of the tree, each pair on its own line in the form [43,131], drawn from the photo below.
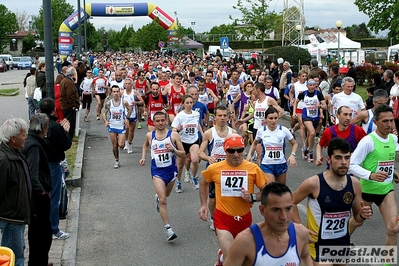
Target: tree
[382,14]
[92,36]
[149,35]
[28,43]
[256,20]
[60,10]
[23,21]
[225,29]
[358,31]
[8,25]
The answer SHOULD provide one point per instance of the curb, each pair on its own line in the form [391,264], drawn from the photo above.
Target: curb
[76,179]
[70,246]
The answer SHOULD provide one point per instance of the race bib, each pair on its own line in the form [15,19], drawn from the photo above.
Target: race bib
[260,112]
[334,225]
[162,158]
[232,182]
[273,155]
[388,167]
[116,116]
[189,129]
[312,111]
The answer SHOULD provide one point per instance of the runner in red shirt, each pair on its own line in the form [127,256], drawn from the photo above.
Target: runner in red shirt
[141,85]
[154,102]
[209,84]
[175,92]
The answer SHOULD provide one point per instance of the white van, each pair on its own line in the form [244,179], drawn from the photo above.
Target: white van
[9,60]
[227,53]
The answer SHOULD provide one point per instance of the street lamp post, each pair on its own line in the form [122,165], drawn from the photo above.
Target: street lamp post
[13,44]
[192,26]
[298,29]
[338,23]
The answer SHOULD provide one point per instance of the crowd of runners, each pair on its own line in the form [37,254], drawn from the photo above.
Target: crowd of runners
[226,114]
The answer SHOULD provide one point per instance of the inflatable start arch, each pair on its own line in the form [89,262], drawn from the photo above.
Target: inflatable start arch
[65,41]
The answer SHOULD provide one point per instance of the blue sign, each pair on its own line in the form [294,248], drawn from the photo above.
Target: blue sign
[161,44]
[224,43]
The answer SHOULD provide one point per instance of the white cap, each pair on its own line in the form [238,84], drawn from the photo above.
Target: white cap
[280,60]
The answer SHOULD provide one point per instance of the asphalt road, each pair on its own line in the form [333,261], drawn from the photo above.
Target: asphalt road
[118,222]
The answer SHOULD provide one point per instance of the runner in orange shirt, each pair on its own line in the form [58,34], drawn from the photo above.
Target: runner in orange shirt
[235,180]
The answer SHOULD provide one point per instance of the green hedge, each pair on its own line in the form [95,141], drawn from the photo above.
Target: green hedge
[257,45]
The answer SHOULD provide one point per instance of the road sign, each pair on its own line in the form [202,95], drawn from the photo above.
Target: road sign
[224,43]
[161,44]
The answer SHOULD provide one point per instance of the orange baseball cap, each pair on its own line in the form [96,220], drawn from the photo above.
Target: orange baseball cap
[233,141]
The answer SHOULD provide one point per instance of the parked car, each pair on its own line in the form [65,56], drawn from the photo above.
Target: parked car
[9,60]
[16,61]
[25,62]
[3,65]
[378,57]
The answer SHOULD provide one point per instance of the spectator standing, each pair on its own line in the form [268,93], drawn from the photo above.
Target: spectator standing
[314,69]
[15,187]
[39,235]
[33,106]
[59,142]
[69,99]
[352,73]
[41,78]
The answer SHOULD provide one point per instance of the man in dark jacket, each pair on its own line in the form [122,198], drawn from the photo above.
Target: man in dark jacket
[41,78]
[39,234]
[69,99]
[352,72]
[15,187]
[59,142]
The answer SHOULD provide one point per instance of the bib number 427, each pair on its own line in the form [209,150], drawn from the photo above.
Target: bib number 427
[234,181]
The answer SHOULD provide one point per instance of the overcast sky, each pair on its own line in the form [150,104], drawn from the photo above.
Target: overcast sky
[207,13]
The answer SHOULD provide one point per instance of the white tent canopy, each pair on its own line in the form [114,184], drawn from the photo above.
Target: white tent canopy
[392,49]
[344,43]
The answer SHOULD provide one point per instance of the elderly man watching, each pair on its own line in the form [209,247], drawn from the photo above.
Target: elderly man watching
[69,99]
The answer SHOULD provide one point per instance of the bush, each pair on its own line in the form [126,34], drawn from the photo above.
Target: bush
[291,54]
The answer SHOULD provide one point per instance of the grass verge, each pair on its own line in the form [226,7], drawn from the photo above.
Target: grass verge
[9,92]
[71,154]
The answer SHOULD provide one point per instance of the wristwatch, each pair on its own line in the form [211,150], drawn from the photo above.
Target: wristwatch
[253,198]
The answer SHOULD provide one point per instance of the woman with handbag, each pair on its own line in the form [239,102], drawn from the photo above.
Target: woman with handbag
[33,105]
[41,79]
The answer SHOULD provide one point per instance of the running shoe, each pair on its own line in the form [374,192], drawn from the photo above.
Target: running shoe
[187,177]
[140,126]
[116,164]
[195,182]
[142,118]
[98,117]
[129,148]
[211,225]
[304,153]
[178,187]
[60,235]
[157,202]
[170,235]
[218,262]
[310,157]
[126,144]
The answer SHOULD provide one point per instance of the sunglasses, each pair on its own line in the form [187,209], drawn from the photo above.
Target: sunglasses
[232,151]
